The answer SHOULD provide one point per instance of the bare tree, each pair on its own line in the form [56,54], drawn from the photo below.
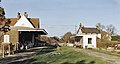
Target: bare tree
[4,23]
[2,17]
[111,29]
[100,26]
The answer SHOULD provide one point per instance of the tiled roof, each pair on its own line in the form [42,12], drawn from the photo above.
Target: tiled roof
[28,29]
[33,21]
[90,30]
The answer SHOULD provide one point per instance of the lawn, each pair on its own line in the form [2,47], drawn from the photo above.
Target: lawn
[63,55]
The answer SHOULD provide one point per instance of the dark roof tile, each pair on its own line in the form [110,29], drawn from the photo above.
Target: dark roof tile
[90,30]
[33,21]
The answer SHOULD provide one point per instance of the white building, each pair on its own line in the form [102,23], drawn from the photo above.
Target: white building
[87,37]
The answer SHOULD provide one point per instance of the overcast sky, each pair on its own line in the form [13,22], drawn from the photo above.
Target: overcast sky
[60,16]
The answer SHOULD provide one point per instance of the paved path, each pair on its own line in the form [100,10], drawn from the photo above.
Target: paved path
[28,54]
[109,58]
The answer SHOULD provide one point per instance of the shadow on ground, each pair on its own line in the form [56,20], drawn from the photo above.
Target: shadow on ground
[80,62]
[34,61]
[45,50]
[16,59]
[42,51]
[29,61]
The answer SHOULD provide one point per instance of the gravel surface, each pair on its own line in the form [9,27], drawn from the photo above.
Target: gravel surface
[110,59]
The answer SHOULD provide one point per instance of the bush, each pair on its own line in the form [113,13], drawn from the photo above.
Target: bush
[115,38]
[106,44]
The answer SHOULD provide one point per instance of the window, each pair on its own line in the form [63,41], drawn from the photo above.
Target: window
[89,40]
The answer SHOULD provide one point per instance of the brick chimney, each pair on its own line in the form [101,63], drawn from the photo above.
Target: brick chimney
[18,16]
[98,26]
[81,25]
[25,14]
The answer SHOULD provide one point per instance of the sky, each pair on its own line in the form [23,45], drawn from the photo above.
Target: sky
[61,16]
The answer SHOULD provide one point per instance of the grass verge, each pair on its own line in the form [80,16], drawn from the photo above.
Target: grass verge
[65,55]
[62,55]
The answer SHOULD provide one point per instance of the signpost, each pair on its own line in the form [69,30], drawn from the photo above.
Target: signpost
[6,39]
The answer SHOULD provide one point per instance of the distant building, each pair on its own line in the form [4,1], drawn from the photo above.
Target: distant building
[25,32]
[87,36]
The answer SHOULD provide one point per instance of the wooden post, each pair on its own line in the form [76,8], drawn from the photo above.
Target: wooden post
[3,51]
[17,46]
[9,49]
[33,40]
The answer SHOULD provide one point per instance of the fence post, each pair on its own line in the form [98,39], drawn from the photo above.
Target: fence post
[3,50]
[9,49]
